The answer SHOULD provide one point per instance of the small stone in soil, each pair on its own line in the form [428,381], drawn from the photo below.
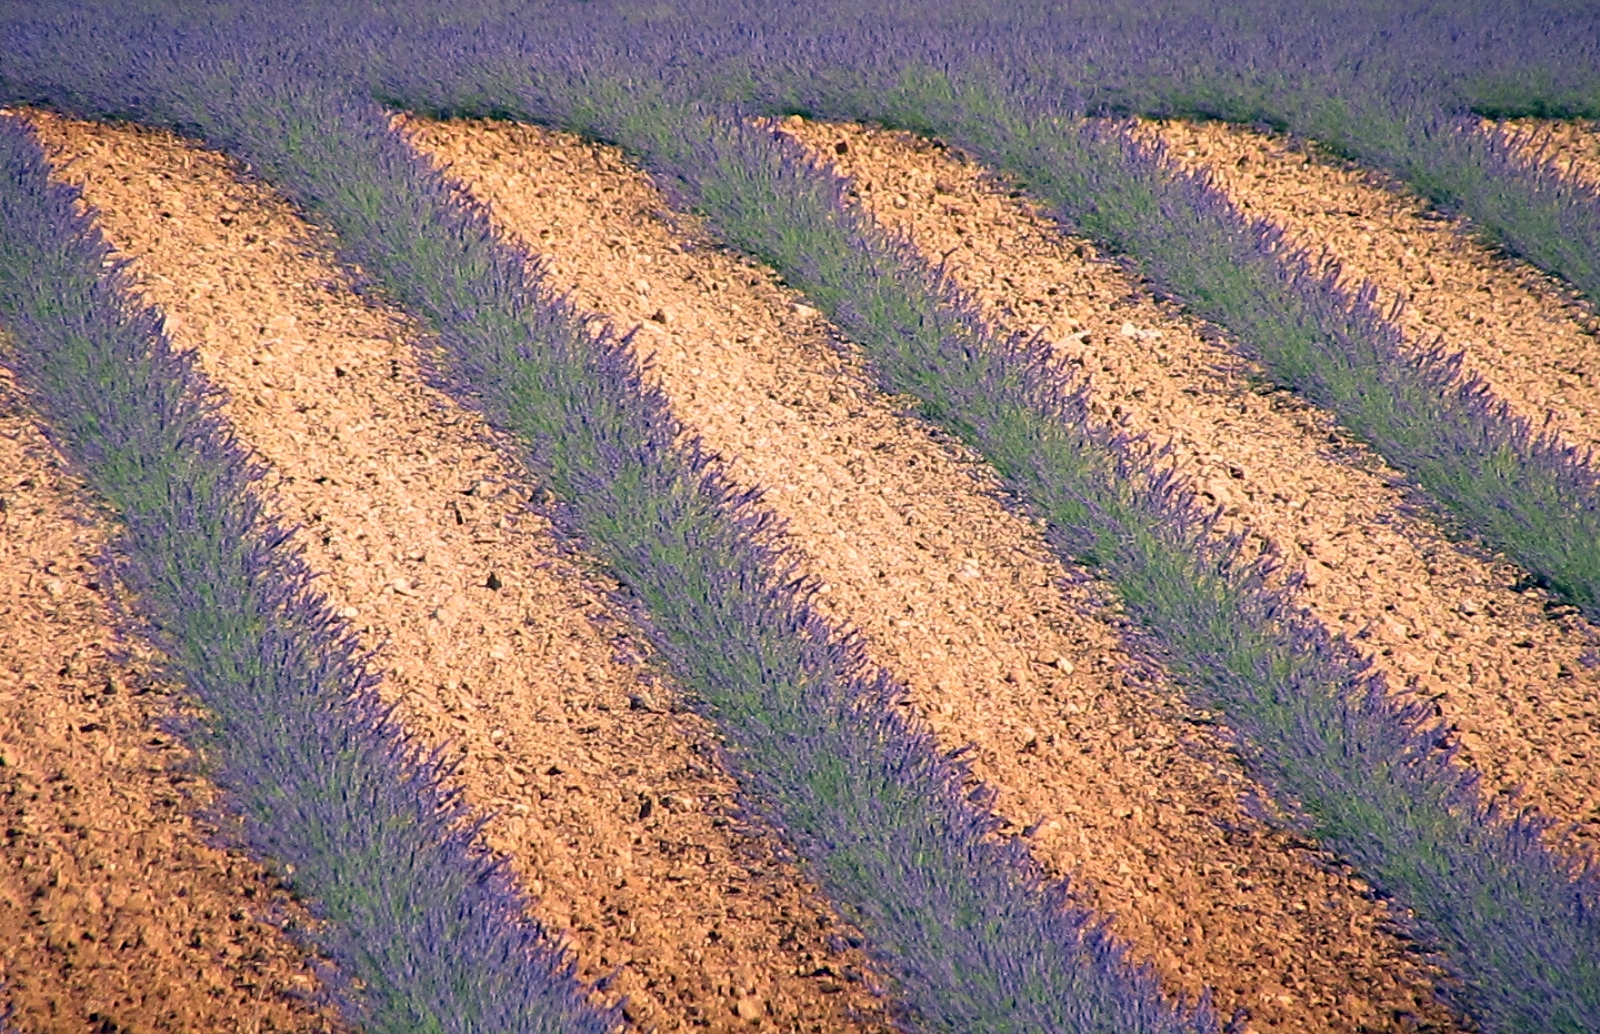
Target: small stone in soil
[493,581]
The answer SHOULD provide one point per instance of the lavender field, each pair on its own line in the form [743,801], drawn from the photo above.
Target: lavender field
[602,516]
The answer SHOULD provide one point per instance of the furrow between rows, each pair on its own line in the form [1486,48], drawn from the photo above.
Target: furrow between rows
[1571,147]
[1522,331]
[609,802]
[957,599]
[1517,681]
[115,910]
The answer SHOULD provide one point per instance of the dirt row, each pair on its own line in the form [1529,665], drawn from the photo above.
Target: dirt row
[1571,147]
[611,806]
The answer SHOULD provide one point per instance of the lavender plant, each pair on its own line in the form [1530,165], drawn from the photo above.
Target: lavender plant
[420,929]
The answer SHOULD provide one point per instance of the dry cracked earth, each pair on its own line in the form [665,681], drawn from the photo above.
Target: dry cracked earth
[118,913]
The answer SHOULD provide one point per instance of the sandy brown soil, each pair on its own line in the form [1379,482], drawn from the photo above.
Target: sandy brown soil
[1573,148]
[115,912]
[1521,331]
[1506,669]
[612,809]
[610,806]
[956,598]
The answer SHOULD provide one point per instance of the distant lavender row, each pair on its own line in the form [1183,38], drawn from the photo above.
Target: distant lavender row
[1389,83]
[424,931]
[1362,773]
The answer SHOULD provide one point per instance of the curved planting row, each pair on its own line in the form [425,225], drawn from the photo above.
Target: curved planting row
[425,931]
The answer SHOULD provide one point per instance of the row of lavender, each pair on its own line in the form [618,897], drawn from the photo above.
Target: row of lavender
[964,927]
[424,931]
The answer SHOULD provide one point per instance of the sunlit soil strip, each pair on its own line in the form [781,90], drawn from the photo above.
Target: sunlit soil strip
[114,910]
[1516,685]
[1538,350]
[1572,148]
[954,597]
[609,808]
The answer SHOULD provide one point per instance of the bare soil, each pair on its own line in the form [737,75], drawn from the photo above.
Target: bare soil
[611,805]
[1572,148]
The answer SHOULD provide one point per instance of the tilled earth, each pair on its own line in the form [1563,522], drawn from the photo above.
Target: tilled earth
[117,914]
